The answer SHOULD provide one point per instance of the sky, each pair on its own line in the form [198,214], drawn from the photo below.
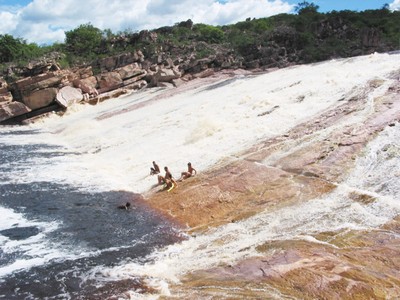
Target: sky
[45,21]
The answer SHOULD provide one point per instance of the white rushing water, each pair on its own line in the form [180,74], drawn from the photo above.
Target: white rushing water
[205,125]
[201,126]
[36,250]
[376,174]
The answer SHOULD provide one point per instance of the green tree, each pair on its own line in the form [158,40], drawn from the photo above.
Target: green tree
[306,8]
[16,49]
[10,48]
[84,40]
[209,33]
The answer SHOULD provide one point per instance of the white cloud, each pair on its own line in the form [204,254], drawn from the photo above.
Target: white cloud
[395,5]
[8,22]
[44,21]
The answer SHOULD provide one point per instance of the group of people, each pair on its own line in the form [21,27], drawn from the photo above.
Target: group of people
[168,180]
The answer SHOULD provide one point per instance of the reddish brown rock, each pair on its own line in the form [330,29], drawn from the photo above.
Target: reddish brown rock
[85,72]
[109,81]
[39,82]
[118,61]
[129,71]
[165,75]
[12,109]
[306,163]
[356,265]
[40,98]
[6,97]
[87,86]
[135,79]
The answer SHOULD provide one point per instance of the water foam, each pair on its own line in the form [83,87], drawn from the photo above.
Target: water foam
[114,152]
[336,211]
[33,251]
[110,146]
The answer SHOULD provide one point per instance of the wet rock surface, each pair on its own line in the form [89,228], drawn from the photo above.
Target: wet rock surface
[308,162]
[20,233]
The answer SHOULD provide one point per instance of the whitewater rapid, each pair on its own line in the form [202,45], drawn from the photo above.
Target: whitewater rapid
[377,174]
[110,147]
[203,125]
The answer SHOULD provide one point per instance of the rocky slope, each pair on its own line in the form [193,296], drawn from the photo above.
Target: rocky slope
[171,55]
[311,161]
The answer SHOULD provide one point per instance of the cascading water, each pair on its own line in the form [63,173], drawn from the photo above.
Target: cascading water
[63,178]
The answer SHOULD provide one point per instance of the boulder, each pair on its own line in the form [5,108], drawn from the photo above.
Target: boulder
[40,98]
[23,88]
[130,71]
[12,109]
[38,82]
[118,61]
[140,56]
[86,72]
[109,81]
[137,85]
[68,96]
[136,78]
[6,97]
[87,85]
[165,75]
[90,81]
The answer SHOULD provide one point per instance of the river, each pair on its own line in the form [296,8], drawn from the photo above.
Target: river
[62,179]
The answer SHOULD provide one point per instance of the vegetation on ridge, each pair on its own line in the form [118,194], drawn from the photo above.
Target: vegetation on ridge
[307,36]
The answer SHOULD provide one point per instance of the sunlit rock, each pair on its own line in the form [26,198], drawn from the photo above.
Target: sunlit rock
[68,96]
[12,109]
[40,98]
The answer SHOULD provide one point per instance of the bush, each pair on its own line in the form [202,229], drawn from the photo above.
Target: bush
[16,49]
[209,34]
[84,40]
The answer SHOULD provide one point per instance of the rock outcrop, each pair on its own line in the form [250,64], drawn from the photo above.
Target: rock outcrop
[5,95]
[309,162]
[12,109]
[40,98]
[68,96]
[171,55]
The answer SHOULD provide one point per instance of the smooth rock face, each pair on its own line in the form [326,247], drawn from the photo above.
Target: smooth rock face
[365,265]
[40,98]
[12,109]
[130,71]
[165,75]
[109,81]
[68,96]
[308,162]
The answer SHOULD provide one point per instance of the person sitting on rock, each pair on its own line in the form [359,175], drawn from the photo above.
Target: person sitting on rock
[155,169]
[189,173]
[168,179]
